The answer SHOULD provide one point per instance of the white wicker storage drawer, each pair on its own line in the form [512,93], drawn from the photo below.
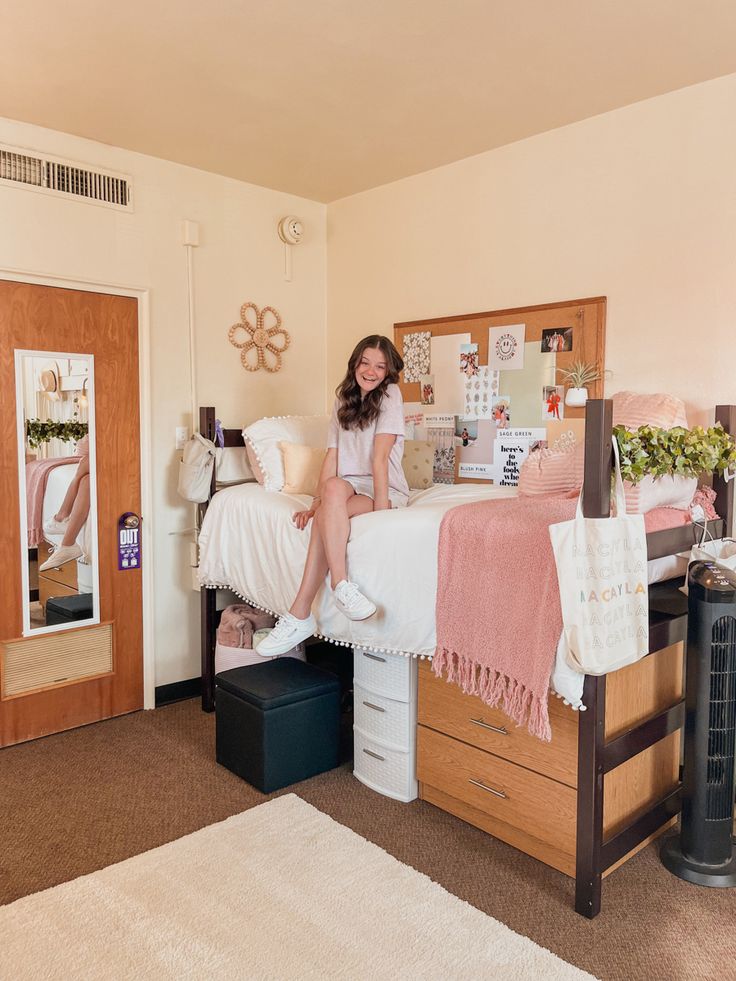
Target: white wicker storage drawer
[392,675]
[389,771]
[388,720]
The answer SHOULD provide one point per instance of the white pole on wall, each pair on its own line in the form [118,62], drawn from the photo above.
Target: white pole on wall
[190,240]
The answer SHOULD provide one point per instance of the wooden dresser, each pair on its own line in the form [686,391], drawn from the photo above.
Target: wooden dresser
[476,764]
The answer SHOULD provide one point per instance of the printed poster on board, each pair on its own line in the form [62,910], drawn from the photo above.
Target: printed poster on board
[506,347]
[512,448]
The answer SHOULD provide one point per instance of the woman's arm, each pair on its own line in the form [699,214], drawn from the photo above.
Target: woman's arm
[382,446]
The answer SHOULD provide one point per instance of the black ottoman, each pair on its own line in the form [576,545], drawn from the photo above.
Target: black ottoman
[64,609]
[277,722]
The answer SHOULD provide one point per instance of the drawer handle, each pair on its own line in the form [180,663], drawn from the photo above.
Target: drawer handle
[376,708]
[479,783]
[369,752]
[374,657]
[501,730]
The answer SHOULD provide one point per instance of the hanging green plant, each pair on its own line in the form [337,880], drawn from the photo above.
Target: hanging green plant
[579,374]
[652,452]
[38,432]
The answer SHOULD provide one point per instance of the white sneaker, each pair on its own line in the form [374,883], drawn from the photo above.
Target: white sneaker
[54,527]
[287,633]
[352,602]
[61,556]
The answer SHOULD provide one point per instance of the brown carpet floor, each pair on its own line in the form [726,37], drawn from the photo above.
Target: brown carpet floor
[81,800]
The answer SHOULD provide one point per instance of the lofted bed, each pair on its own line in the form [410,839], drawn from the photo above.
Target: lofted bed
[609,781]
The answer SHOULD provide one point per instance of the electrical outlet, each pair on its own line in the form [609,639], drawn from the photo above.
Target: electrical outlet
[182,436]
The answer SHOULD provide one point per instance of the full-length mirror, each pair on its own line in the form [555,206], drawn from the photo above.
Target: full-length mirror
[58,514]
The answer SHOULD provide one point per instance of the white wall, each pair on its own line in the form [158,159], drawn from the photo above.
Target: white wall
[239,258]
[638,205]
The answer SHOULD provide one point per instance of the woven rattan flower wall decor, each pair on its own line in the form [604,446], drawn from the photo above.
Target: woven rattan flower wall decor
[259,338]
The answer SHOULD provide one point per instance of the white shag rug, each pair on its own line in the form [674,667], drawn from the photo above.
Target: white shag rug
[280,891]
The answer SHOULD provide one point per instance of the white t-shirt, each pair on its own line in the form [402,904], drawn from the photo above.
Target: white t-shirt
[355,446]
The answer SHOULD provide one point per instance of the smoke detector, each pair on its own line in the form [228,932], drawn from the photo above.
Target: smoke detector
[290,232]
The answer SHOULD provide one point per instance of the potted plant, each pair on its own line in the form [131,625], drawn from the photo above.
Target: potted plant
[577,378]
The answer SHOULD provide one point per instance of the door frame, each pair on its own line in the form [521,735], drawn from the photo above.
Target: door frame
[142,295]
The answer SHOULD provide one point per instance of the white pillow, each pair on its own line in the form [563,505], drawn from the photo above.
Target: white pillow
[231,465]
[663,492]
[265,435]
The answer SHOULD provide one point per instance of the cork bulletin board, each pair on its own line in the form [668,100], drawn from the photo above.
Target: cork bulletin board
[573,329]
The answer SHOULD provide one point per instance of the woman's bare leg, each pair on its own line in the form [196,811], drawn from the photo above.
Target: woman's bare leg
[340,503]
[71,494]
[315,570]
[80,510]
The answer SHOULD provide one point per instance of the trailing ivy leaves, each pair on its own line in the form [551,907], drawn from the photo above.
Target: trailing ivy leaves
[652,452]
[38,432]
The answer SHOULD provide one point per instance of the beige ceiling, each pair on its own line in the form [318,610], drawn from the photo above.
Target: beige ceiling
[324,98]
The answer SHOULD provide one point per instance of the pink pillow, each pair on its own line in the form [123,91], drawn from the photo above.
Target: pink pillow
[633,410]
[552,471]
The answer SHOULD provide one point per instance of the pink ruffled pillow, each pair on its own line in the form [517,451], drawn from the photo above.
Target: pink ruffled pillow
[633,410]
[555,472]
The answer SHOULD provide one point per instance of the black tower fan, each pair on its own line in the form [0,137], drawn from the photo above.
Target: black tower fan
[703,852]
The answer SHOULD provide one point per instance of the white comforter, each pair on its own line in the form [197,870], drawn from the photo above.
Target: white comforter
[249,543]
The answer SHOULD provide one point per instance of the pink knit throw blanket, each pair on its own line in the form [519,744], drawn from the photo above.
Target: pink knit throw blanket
[498,605]
[37,475]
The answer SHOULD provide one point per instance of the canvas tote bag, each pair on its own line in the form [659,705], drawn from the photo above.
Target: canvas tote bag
[602,574]
[195,470]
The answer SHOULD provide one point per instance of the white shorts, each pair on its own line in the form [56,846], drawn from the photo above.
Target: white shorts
[364,485]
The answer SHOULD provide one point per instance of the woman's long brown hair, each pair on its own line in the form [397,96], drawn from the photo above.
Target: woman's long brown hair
[356,411]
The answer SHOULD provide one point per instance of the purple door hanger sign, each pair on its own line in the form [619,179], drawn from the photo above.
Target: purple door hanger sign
[129,541]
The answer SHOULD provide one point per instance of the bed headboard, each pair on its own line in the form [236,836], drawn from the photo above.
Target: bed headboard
[233,437]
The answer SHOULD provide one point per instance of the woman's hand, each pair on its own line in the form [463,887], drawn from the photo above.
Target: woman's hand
[382,505]
[302,518]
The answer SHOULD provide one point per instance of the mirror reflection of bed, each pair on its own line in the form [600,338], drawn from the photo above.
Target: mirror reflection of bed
[73,577]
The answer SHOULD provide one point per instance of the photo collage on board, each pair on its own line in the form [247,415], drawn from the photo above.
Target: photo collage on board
[482,419]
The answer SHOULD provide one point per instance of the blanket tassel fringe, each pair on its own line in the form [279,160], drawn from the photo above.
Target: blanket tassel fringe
[497,690]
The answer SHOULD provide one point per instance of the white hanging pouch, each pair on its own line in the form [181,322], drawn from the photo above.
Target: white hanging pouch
[602,574]
[722,551]
[195,470]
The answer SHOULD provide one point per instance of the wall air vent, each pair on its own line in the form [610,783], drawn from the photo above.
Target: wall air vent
[52,175]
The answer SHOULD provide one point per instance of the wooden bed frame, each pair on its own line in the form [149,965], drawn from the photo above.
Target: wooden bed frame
[595,853]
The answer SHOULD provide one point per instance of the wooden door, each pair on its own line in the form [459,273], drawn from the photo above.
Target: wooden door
[42,318]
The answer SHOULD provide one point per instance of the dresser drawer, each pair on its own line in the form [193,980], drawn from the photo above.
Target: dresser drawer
[520,798]
[48,589]
[391,675]
[389,771]
[388,720]
[447,709]
[65,574]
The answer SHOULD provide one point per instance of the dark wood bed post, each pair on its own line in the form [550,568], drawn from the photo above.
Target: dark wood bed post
[208,597]
[726,415]
[591,722]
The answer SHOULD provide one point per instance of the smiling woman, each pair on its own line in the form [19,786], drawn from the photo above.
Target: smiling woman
[361,472]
